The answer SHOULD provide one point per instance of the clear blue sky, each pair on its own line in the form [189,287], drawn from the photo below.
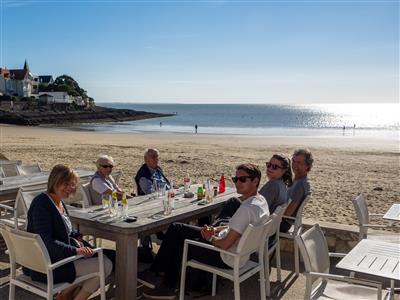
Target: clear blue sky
[210,51]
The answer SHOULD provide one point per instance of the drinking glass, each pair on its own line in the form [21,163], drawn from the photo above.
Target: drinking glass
[161,189]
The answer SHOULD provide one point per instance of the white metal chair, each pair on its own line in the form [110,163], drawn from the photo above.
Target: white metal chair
[29,169]
[361,208]
[271,244]
[9,168]
[117,176]
[314,250]
[18,213]
[250,242]
[28,250]
[295,230]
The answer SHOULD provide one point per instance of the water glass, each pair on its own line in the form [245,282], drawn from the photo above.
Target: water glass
[105,200]
[161,189]
[166,205]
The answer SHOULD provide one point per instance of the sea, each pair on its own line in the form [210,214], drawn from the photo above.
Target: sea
[361,119]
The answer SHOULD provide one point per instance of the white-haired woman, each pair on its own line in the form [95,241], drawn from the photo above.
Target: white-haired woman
[102,182]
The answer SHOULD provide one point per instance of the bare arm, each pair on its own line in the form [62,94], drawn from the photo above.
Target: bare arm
[291,208]
[226,242]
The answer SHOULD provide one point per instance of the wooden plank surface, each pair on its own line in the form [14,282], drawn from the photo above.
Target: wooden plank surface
[374,258]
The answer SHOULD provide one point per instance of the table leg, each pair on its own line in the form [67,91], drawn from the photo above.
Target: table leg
[126,269]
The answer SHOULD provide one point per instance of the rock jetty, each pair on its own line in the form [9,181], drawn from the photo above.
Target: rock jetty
[96,114]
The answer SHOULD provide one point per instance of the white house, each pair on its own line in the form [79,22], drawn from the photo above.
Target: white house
[55,97]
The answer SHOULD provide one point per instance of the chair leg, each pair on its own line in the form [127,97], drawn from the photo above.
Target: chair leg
[278,262]
[182,284]
[11,295]
[266,272]
[296,258]
[263,285]
[214,285]
[236,287]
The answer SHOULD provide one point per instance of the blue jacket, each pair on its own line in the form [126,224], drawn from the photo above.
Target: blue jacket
[144,171]
[45,220]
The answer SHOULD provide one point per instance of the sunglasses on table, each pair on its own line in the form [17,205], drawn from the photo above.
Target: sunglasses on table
[107,166]
[241,178]
[273,166]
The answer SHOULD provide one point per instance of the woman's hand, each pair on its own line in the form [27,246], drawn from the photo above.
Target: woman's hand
[85,251]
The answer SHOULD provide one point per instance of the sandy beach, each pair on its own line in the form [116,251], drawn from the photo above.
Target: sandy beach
[344,166]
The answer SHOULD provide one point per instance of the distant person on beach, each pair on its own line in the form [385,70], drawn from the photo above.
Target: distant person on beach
[195,128]
[102,181]
[150,173]
[302,161]
[160,124]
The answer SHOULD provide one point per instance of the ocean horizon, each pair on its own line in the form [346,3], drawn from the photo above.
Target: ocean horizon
[362,120]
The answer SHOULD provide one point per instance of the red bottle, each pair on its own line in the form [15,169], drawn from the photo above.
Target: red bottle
[222,184]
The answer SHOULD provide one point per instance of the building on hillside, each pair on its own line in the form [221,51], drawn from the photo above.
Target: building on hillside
[46,79]
[55,97]
[20,81]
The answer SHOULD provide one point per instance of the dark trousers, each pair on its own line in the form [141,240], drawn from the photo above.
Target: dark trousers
[169,256]
[228,210]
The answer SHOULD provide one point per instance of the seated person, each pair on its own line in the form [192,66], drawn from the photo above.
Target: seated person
[102,182]
[302,161]
[274,191]
[279,175]
[150,174]
[169,257]
[48,217]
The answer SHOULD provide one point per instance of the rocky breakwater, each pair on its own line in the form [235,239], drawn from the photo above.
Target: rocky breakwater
[97,114]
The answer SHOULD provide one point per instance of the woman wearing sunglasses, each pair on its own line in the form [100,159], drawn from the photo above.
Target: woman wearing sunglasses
[102,182]
[279,173]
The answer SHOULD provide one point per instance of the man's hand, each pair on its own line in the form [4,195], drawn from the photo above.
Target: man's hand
[207,232]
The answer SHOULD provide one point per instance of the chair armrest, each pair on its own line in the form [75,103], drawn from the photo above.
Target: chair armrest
[378,285]
[376,226]
[289,218]
[7,207]
[334,254]
[70,259]
[210,247]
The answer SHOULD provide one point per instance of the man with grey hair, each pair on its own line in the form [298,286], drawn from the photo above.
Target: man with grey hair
[302,161]
[102,182]
[150,173]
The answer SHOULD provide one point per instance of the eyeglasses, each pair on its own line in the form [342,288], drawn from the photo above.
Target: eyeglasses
[107,166]
[273,166]
[241,178]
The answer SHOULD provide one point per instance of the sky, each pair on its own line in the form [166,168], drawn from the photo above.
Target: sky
[292,52]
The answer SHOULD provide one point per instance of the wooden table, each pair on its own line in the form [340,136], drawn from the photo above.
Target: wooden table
[150,219]
[9,185]
[374,258]
[393,213]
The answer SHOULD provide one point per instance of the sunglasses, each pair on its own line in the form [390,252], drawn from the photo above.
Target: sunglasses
[241,178]
[273,166]
[107,166]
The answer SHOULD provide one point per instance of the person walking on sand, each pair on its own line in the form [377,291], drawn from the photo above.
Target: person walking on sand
[195,128]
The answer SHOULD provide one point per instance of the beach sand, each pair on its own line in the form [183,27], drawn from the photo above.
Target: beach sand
[344,166]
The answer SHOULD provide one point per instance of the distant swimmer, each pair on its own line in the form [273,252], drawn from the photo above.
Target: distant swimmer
[195,128]
[160,124]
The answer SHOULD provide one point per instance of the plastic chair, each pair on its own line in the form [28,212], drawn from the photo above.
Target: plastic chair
[314,250]
[361,208]
[295,230]
[271,244]
[250,242]
[116,175]
[28,250]
[9,168]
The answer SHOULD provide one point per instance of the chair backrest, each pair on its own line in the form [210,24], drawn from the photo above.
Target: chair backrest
[276,221]
[254,236]
[314,250]
[299,214]
[29,169]
[10,169]
[26,249]
[24,199]
[116,175]
[85,191]
[361,208]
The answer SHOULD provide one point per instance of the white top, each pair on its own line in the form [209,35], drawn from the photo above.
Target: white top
[251,211]
[100,186]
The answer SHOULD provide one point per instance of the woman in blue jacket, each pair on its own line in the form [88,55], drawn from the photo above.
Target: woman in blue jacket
[48,217]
